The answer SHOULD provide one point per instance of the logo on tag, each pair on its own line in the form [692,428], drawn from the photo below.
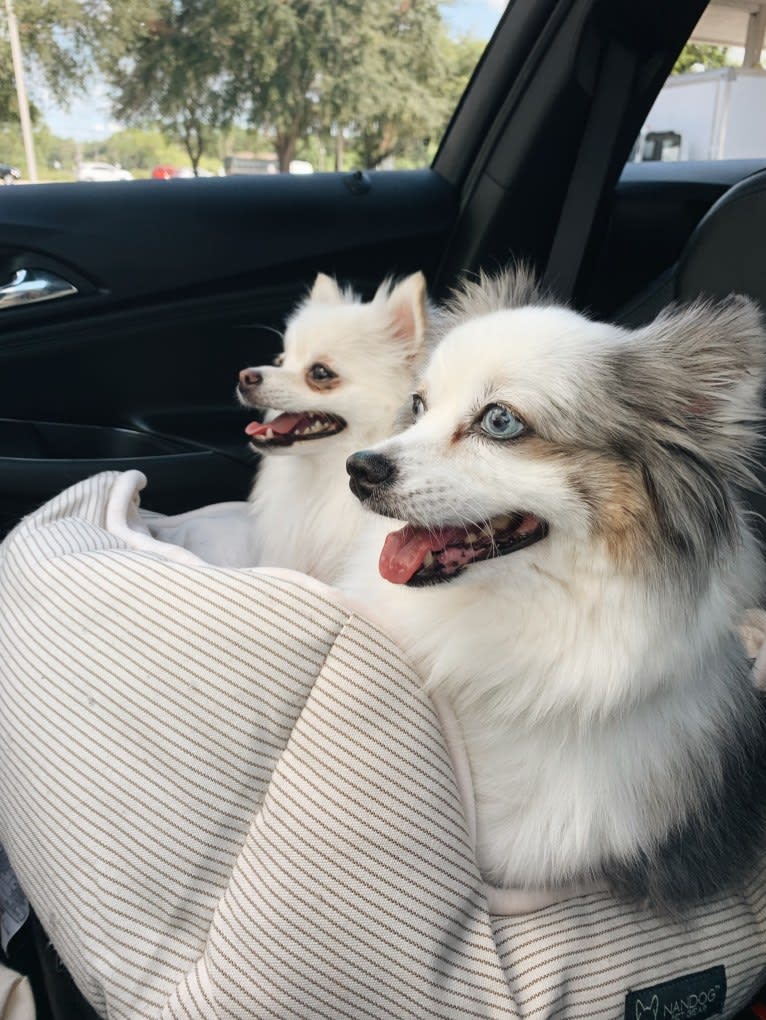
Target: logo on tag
[691,997]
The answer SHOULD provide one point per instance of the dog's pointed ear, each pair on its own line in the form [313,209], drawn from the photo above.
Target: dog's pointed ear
[699,372]
[407,307]
[688,391]
[326,290]
[712,356]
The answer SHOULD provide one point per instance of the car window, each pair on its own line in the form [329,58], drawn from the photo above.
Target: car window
[712,106]
[175,88]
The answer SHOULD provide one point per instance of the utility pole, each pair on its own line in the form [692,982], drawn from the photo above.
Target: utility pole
[21,93]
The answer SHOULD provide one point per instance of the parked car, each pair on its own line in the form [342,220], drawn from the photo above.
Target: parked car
[164,173]
[167,173]
[102,172]
[262,163]
[186,171]
[9,174]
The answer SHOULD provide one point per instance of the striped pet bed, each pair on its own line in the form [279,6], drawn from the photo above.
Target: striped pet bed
[226,797]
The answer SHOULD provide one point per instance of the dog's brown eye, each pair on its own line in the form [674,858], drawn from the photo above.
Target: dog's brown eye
[321,373]
[279,360]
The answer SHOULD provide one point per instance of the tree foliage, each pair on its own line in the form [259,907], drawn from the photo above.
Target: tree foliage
[140,151]
[167,68]
[708,57]
[276,59]
[52,40]
[416,75]
[9,106]
[378,75]
[368,81]
[401,98]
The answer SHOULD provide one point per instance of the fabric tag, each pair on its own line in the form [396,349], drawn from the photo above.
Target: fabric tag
[14,907]
[691,997]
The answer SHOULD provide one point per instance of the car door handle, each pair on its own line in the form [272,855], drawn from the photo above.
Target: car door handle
[29,286]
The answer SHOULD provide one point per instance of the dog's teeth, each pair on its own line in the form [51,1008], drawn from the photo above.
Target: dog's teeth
[269,434]
[501,522]
[473,537]
[428,559]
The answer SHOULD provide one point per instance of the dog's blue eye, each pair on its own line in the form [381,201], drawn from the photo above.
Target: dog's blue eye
[500,423]
[418,406]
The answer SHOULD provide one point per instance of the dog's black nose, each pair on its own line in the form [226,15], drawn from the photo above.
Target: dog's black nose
[369,471]
[249,377]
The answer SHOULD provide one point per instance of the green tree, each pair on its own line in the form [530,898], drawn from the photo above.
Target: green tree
[55,155]
[54,48]
[417,77]
[461,58]
[375,76]
[709,57]
[53,151]
[168,68]
[137,150]
[9,107]
[276,62]
[309,76]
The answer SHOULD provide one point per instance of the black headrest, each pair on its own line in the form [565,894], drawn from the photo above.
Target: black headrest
[725,254]
[727,251]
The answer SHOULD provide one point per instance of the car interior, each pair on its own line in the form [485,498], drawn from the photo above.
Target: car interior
[173,290]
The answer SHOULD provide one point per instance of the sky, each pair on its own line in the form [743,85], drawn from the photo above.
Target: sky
[473,17]
[88,118]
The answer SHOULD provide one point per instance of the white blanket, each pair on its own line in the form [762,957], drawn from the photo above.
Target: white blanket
[225,796]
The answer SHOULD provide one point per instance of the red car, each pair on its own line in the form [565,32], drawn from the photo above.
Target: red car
[164,173]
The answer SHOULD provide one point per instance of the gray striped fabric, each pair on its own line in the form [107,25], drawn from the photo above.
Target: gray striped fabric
[225,796]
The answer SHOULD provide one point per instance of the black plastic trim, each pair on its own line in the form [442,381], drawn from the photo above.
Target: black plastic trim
[148,239]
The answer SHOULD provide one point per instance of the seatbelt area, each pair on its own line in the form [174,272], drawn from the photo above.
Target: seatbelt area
[591,169]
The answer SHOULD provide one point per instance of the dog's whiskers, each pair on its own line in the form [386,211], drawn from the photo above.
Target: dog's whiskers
[269,329]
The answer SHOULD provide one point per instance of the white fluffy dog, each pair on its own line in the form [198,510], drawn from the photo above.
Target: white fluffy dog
[575,563]
[346,368]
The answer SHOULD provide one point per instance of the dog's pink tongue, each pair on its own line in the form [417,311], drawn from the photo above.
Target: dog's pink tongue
[404,550]
[281,425]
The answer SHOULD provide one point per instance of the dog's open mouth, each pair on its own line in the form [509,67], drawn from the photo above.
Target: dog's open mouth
[418,556]
[294,427]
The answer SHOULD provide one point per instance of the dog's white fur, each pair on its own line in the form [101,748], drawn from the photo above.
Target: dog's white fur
[591,672]
[303,515]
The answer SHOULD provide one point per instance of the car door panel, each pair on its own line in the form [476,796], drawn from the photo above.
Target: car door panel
[39,459]
[147,238]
